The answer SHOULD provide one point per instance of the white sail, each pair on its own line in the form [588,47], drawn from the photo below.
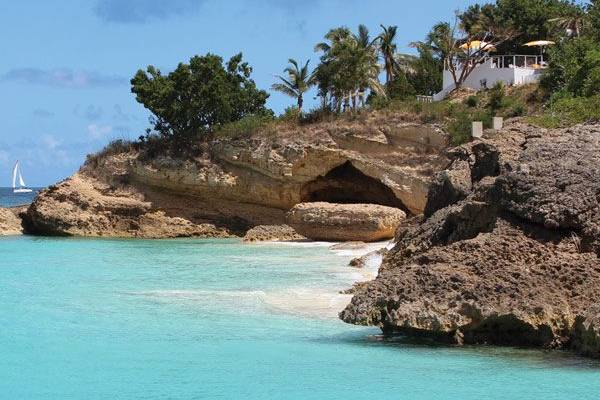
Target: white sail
[15,169]
[22,188]
[21,181]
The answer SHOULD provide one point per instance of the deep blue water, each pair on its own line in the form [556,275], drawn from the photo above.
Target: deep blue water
[193,319]
[10,199]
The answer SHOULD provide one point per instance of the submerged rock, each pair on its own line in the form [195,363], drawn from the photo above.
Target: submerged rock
[515,261]
[345,222]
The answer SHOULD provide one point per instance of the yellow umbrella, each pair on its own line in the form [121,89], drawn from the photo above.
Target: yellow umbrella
[478,45]
[540,43]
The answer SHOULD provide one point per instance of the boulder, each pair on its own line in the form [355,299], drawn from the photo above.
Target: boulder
[272,233]
[345,222]
[10,222]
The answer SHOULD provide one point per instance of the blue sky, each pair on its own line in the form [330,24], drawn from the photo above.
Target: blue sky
[66,64]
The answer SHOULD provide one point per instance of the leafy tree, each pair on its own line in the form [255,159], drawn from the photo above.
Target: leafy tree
[592,28]
[425,73]
[400,87]
[197,97]
[297,83]
[574,68]
[527,19]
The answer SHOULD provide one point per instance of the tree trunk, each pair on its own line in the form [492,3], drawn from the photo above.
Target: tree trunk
[300,103]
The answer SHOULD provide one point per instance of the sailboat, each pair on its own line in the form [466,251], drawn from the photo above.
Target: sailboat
[17,173]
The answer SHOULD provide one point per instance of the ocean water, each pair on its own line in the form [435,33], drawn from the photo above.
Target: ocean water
[10,199]
[216,319]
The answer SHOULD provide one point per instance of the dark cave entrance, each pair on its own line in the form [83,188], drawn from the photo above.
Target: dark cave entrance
[347,185]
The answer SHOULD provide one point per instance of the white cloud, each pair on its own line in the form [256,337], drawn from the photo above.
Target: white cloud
[96,131]
[50,142]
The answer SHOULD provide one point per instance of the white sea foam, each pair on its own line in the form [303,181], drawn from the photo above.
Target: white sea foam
[298,301]
[313,300]
[294,243]
[361,250]
[306,302]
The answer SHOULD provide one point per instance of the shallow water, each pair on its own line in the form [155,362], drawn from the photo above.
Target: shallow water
[187,319]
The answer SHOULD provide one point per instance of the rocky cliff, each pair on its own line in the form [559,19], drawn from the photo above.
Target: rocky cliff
[238,183]
[508,251]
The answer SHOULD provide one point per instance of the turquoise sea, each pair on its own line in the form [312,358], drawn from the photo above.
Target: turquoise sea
[216,319]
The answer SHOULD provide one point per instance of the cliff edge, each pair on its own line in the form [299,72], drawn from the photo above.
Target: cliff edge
[241,182]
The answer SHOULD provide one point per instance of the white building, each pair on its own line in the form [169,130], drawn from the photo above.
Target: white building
[511,70]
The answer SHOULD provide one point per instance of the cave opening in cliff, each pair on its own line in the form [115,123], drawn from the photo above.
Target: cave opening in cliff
[346,184]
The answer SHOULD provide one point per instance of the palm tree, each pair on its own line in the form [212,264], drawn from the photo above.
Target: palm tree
[348,67]
[387,47]
[573,23]
[297,83]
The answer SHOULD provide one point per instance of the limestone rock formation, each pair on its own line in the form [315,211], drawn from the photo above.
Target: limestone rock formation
[237,183]
[345,222]
[78,207]
[515,260]
[272,233]
[10,222]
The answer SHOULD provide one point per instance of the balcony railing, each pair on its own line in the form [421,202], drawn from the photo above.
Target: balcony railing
[512,61]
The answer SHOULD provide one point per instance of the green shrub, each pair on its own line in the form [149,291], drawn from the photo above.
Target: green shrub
[378,102]
[472,101]
[318,115]
[399,88]
[516,110]
[117,146]
[497,96]
[460,129]
[244,127]
[290,114]
[565,111]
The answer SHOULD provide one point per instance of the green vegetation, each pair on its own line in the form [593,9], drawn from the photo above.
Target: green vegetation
[117,146]
[568,111]
[198,97]
[297,83]
[209,98]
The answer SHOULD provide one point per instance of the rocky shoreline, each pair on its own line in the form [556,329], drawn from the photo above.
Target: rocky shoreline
[507,252]
[497,241]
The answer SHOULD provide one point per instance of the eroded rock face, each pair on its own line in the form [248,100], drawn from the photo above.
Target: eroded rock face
[10,222]
[239,183]
[513,261]
[78,207]
[345,222]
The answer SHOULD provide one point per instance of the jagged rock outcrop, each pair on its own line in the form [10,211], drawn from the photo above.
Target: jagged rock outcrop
[239,183]
[345,222]
[515,260]
[10,221]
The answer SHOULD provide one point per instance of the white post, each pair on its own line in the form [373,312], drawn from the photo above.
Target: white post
[498,123]
[477,131]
